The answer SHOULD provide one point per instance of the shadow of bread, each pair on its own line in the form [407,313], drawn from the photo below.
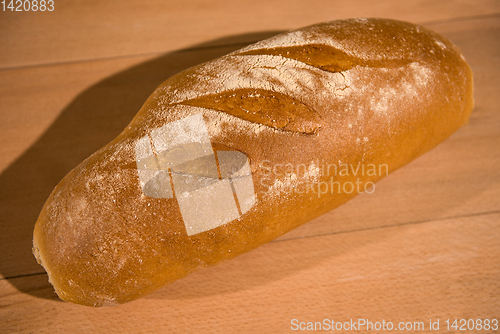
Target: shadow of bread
[90,121]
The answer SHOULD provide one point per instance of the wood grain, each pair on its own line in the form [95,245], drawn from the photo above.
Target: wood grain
[96,29]
[423,245]
[437,270]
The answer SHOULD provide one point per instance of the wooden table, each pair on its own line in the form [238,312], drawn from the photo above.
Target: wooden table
[425,245]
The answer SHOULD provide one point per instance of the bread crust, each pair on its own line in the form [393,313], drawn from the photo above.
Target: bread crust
[359,92]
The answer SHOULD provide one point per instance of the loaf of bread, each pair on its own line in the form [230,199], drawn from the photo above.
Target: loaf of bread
[230,154]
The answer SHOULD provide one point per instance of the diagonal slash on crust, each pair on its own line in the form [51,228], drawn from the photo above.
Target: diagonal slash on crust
[261,106]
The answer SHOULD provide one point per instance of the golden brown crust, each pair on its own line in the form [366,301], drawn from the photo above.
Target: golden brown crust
[355,92]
